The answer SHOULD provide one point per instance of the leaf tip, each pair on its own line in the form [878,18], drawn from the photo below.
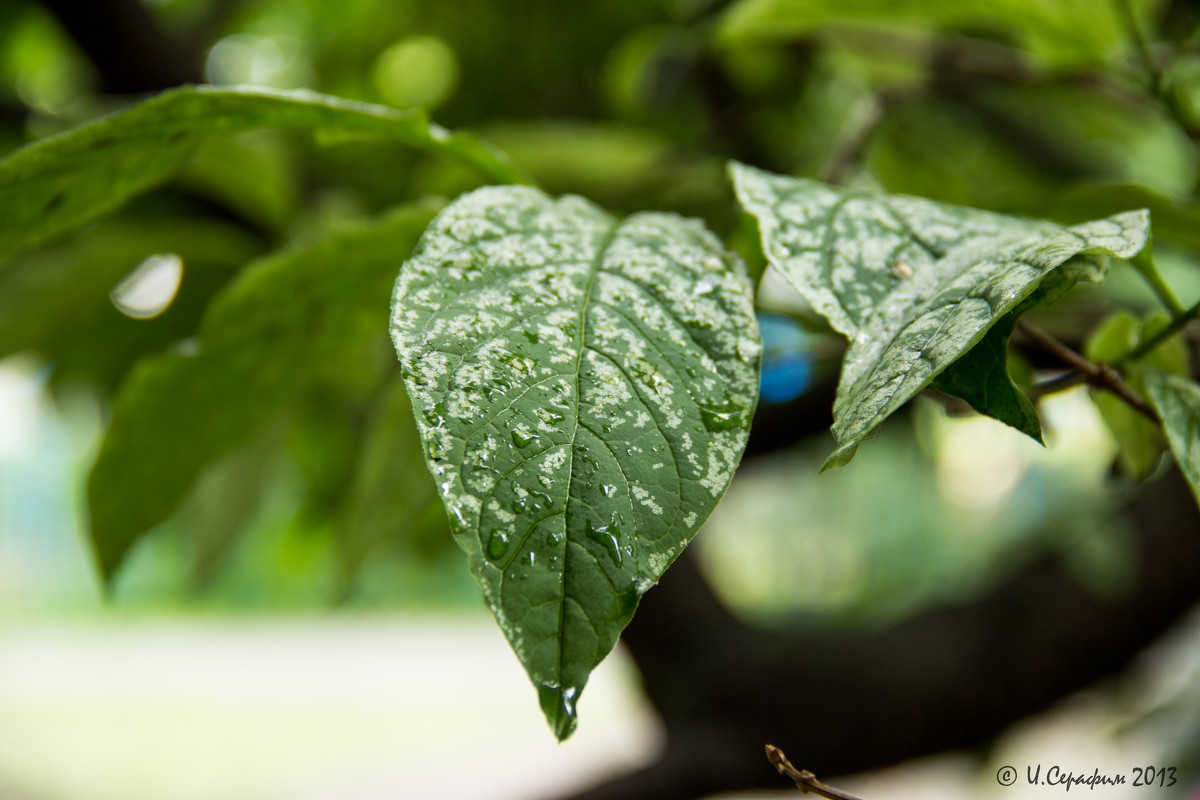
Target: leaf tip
[107,563]
[840,457]
[558,705]
[1026,419]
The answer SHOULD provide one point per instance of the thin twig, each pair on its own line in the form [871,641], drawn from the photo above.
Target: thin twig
[1059,384]
[1144,263]
[805,780]
[1153,72]
[1177,324]
[1102,376]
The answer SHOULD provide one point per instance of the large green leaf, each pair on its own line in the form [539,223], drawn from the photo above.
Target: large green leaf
[583,388]
[67,180]
[1176,400]
[262,340]
[845,251]
[912,338]
[914,284]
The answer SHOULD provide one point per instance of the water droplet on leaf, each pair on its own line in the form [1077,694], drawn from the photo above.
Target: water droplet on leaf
[549,417]
[558,704]
[722,416]
[608,536]
[496,546]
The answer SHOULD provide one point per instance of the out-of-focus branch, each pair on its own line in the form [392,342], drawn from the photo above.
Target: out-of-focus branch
[1177,324]
[126,45]
[948,678]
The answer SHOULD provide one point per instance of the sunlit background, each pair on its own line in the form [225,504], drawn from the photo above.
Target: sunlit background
[237,657]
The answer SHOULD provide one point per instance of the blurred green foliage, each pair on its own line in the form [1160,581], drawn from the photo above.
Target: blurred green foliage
[1062,109]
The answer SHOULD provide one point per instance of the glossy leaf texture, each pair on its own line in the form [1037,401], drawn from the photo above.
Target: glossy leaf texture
[262,341]
[67,180]
[914,284]
[1176,400]
[583,388]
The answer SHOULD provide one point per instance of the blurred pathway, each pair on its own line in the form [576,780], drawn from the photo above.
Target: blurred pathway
[325,709]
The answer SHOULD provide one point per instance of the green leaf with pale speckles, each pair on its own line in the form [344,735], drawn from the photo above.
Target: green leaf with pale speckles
[981,375]
[913,284]
[583,388]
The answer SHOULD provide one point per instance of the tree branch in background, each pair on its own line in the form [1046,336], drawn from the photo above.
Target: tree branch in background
[952,677]
[124,42]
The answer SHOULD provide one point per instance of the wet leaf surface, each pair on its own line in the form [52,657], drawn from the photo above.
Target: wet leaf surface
[583,388]
[914,284]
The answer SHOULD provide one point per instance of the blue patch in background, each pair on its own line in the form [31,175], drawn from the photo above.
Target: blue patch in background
[787,365]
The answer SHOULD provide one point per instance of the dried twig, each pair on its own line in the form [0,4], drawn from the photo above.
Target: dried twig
[805,780]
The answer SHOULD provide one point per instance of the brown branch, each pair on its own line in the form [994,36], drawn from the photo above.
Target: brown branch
[1102,376]
[805,780]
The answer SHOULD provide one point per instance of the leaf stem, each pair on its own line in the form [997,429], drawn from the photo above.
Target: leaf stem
[1170,329]
[805,780]
[1144,264]
[1102,376]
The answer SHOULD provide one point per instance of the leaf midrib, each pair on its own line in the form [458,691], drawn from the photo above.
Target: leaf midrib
[594,270]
